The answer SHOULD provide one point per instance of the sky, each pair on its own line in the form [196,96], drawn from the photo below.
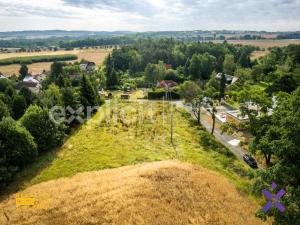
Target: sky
[150,15]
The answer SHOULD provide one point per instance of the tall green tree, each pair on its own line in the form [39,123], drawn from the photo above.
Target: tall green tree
[70,97]
[17,149]
[89,96]
[244,59]
[254,102]
[52,97]
[285,83]
[28,95]
[229,64]
[110,72]
[189,90]
[222,87]
[46,132]
[283,138]
[197,104]
[18,106]
[23,71]
[56,69]
[201,66]
[155,73]
[4,110]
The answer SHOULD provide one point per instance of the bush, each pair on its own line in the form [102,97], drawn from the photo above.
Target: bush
[189,90]
[4,84]
[89,96]
[160,93]
[17,149]
[4,110]
[28,95]
[18,106]
[46,133]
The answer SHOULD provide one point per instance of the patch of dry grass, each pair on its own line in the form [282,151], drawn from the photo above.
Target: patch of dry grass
[94,55]
[167,192]
[258,54]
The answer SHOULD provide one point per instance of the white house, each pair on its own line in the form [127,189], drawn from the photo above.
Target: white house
[229,79]
[31,83]
[30,79]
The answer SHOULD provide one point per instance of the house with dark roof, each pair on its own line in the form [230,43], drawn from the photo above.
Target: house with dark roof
[39,77]
[31,83]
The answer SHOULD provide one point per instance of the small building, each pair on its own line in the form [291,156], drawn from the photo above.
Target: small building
[235,116]
[88,66]
[31,83]
[229,79]
[166,84]
[34,87]
[30,79]
[40,77]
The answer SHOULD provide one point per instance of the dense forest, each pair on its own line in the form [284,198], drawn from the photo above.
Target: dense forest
[148,61]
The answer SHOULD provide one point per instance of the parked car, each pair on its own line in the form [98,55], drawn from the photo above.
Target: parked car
[250,161]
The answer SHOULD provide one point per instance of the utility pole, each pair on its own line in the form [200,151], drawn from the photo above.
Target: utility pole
[169,96]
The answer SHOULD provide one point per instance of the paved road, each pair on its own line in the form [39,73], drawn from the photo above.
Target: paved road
[223,138]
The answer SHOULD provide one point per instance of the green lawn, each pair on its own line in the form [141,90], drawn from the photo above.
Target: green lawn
[113,138]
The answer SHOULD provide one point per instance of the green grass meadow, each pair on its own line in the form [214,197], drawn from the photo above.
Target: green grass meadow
[128,133]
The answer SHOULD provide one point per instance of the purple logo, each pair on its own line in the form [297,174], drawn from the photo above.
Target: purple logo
[273,200]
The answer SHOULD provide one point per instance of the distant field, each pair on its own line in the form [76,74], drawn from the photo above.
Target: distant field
[264,43]
[94,55]
[37,59]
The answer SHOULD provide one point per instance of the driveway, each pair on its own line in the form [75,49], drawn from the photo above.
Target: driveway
[225,139]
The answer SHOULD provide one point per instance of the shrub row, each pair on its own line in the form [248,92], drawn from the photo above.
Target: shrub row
[36,59]
[159,94]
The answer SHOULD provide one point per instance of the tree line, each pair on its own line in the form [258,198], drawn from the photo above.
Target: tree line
[148,61]
[26,127]
[36,59]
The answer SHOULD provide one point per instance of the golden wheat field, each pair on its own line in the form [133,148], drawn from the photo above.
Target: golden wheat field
[166,192]
[268,43]
[94,55]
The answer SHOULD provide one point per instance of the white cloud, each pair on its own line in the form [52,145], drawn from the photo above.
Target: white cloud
[150,14]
